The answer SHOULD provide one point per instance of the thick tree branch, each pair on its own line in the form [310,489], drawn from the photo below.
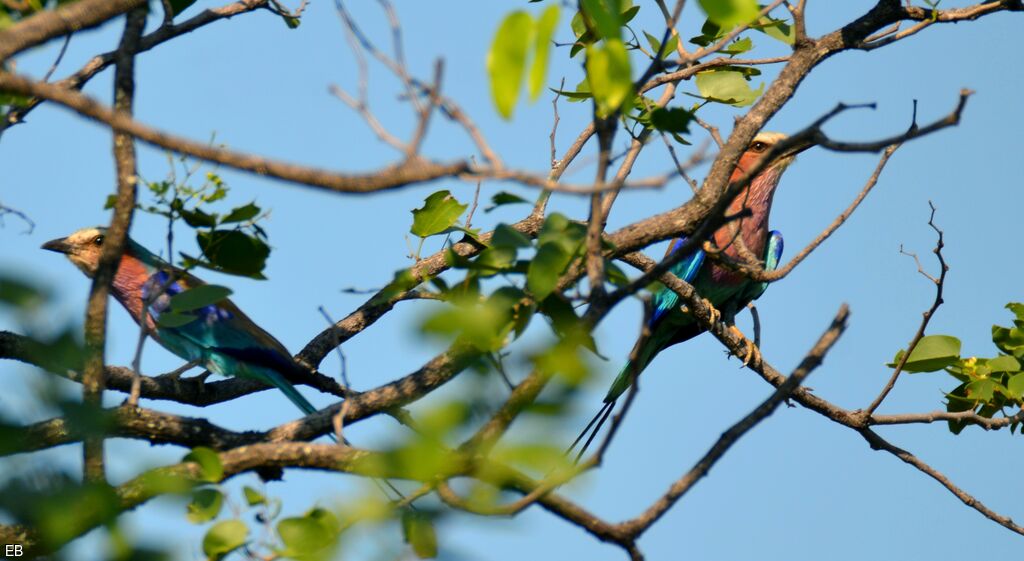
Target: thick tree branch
[66,19]
[392,177]
[161,35]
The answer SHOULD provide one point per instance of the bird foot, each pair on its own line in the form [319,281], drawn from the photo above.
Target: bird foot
[177,372]
[201,380]
[716,316]
[752,353]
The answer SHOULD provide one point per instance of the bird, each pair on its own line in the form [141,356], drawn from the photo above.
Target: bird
[220,337]
[727,290]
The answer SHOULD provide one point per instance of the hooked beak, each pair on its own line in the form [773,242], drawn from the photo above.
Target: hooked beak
[60,245]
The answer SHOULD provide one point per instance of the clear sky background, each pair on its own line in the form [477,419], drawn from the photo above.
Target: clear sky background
[797,488]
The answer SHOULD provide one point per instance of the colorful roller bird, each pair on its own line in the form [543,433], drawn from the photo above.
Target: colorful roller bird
[220,337]
[727,290]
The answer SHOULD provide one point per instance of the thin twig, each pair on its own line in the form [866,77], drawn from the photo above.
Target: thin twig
[926,317]
[812,360]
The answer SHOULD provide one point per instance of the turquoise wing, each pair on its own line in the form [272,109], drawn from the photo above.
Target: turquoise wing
[664,299]
[772,258]
[225,340]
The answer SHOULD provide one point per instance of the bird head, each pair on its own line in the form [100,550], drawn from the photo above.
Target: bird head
[761,145]
[82,248]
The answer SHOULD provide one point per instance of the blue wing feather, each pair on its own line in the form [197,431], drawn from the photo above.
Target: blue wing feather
[687,269]
[772,258]
[225,340]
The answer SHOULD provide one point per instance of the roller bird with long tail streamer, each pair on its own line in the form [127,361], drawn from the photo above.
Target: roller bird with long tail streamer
[221,338]
[727,290]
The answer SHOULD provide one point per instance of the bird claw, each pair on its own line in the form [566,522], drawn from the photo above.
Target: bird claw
[753,354]
[201,380]
[716,316]
[175,374]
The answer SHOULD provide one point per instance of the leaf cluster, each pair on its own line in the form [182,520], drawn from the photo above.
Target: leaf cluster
[987,386]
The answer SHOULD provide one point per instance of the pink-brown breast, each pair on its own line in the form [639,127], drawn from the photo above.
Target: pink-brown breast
[756,199]
[131,275]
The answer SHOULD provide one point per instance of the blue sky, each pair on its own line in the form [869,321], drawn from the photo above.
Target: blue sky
[796,488]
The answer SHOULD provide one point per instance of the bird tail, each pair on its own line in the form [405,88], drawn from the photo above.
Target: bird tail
[643,352]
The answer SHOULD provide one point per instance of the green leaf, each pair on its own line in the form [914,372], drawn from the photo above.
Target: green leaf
[502,198]
[506,236]
[1010,340]
[776,29]
[234,252]
[493,260]
[241,214]
[171,319]
[485,325]
[418,531]
[1003,363]
[223,538]
[196,218]
[673,119]
[606,17]
[69,510]
[472,233]
[738,46]
[210,468]
[615,274]
[981,390]
[545,31]
[559,310]
[730,12]
[304,535]
[440,211]
[629,13]
[205,505]
[1016,386]
[506,61]
[563,359]
[576,96]
[20,294]
[402,282]
[546,268]
[253,497]
[1017,308]
[558,229]
[655,43]
[710,33]
[198,297]
[932,353]
[609,75]
[727,86]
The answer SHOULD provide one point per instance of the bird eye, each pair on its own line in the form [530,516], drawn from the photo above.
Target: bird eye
[758,146]
[98,240]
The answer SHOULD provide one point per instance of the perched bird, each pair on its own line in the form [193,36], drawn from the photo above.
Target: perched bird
[221,338]
[727,290]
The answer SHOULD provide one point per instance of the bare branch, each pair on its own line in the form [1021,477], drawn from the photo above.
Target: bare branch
[164,33]
[940,283]
[391,177]
[811,361]
[879,443]
[64,20]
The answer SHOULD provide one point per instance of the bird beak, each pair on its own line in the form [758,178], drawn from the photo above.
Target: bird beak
[792,152]
[786,158]
[60,245]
